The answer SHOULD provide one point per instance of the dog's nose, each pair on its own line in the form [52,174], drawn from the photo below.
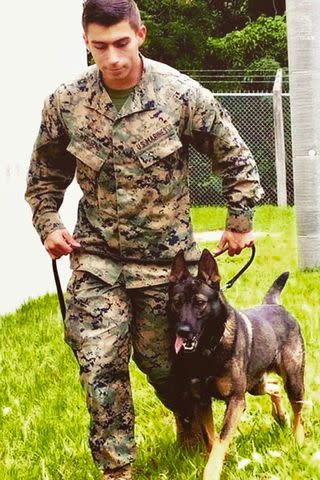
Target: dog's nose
[184,330]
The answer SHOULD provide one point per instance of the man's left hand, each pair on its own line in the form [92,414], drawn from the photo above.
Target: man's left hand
[235,241]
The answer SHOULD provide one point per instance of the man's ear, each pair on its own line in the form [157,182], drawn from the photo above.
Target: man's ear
[179,269]
[86,41]
[208,269]
[141,34]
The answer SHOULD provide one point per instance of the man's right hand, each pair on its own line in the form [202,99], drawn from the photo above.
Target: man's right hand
[59,243]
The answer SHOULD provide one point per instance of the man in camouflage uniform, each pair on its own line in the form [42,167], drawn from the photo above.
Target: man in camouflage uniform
[124,127]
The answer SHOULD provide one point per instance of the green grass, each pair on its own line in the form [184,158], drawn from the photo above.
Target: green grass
[44,422]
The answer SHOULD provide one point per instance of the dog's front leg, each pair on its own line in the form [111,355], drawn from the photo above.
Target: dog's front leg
[235,408]
[205,420]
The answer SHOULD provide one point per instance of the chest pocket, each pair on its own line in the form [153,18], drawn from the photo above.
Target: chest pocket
[168,145]
[85,152]
[89,167]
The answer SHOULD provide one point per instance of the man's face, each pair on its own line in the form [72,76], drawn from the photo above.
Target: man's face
[115,50]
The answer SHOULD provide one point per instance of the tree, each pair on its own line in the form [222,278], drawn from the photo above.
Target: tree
[266,38]
[203,34]
[271,8]
[178,31]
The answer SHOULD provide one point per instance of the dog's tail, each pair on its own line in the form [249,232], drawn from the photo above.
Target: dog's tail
[273,294]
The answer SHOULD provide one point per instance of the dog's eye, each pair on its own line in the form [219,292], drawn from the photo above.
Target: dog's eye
[177,303]
[200,303]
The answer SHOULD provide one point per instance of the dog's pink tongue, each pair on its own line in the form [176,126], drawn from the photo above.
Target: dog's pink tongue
[178,345]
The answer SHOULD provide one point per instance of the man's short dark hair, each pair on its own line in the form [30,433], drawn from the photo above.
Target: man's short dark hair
[110,12]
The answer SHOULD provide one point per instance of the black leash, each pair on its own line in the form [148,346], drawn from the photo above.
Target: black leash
[243,269]
[59,289]
[147,262]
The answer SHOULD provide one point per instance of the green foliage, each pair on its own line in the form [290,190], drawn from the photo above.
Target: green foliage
[263,64]
[270,8]
[178,31]
[263,72]
[232,14]
[264,38]
[202,34]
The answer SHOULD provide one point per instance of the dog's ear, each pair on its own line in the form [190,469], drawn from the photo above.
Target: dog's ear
[179,269]
[208,269]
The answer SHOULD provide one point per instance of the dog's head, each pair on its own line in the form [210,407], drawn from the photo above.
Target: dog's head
[194,301]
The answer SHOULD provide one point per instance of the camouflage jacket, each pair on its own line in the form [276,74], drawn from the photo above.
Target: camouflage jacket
[132,168]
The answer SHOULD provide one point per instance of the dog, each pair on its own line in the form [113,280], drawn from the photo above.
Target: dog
[223,353]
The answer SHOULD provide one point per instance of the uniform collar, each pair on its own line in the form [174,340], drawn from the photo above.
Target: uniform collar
[142,98]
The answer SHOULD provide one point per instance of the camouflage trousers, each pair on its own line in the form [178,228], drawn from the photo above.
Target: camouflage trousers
[103,325]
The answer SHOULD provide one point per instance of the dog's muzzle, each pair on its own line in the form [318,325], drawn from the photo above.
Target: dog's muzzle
[185,339]
[188,344]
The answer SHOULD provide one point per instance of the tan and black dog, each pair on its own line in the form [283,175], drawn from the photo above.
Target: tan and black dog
[223,353]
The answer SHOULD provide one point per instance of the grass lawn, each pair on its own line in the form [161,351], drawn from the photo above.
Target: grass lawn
[44,422]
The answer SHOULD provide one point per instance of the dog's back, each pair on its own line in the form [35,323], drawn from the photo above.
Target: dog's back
[275,332]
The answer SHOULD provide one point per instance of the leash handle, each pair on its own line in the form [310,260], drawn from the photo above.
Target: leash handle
[243,269]
[59,289]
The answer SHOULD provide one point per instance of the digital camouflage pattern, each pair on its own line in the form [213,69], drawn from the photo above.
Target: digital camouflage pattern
[103,322]
[132,168]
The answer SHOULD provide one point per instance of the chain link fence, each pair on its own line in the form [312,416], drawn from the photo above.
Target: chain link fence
[252,114]
[240,81]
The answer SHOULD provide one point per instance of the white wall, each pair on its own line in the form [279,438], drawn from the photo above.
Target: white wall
[42,46]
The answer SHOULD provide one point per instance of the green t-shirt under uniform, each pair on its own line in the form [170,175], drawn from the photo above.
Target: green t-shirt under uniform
[119,97]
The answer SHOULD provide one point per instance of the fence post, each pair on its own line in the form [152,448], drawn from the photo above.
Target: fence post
[280,149]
